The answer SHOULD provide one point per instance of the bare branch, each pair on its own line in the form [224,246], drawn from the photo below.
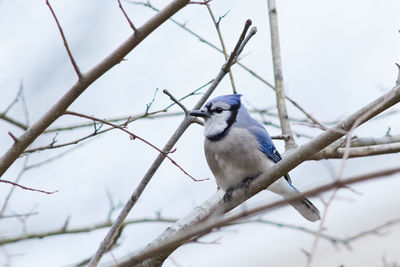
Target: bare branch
[126,16]
[225,52]
[125,119]
[87,79]
[134,136]
[19,124]
[16,98]
[77,230]
[178,236]
[73,62]
[112,233]
[27,188]
[279,89]
[364,151]
[165,91]
[19,176]
[203,40]
[12,216]
[215,204]
[13,137]
[308,115]
[205,2]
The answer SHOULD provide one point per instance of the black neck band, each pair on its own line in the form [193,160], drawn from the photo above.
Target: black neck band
[230,121]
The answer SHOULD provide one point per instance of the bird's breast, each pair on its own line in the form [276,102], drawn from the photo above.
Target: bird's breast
[235,157]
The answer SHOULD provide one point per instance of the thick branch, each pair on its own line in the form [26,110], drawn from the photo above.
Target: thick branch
[215,205]
[87,79]
[183,235]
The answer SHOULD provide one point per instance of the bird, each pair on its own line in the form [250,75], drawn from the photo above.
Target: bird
[238,148]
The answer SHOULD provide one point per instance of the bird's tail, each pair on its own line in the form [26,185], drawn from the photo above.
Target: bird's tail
[306,209]
[303,205]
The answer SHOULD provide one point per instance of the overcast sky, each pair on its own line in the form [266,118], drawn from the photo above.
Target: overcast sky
[337,56]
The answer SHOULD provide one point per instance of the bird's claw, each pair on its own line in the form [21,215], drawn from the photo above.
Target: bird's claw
[246,184]
[228,194]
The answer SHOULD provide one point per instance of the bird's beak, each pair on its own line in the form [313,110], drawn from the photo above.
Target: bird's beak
[199,113]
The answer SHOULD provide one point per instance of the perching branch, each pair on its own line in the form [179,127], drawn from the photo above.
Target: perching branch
[215,205]
[110,238]
[279,88]
[180,233]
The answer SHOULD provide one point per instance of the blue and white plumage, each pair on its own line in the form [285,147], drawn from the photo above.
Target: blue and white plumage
[238,148]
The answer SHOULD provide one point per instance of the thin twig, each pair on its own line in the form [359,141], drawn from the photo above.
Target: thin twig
[13,137]
[27,188]
[19,176]
[77,230]
[13,121]
[205,2]
[125,119]
[126,16]
[134,136]
[16,98]
[225,52]
[165,91]
[73,62]
[203,40]
[356,152]
[12,216]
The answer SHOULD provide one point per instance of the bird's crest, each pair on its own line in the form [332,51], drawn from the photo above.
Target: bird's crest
[231,100]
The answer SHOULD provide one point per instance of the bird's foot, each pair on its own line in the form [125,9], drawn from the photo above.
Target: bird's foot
[228,194]
[245,184]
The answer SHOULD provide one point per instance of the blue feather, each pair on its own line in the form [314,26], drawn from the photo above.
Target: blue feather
[232,100]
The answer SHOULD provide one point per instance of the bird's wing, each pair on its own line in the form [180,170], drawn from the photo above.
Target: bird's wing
[266,145]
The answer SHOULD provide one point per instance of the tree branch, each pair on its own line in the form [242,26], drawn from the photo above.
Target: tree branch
[126,16]
[77,230]
[215,205]
[134,136]
[87,79]
[27,188]
[180,234]
[224,51]
[113,232]
[203,40]
[71,58]
[279,89]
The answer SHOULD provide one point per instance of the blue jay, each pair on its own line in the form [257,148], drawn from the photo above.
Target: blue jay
[238,148]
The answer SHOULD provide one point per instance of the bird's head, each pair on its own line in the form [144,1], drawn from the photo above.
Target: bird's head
[219,114]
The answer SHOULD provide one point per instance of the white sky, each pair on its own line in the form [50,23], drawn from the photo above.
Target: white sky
[337,56]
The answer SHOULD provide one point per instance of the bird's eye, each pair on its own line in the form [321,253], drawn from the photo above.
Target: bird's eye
[219,110]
